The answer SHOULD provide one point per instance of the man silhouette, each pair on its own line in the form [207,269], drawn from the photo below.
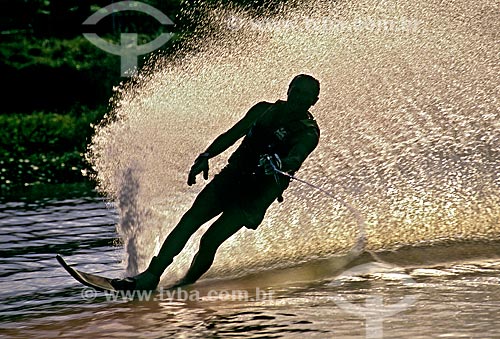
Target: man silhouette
[276,135]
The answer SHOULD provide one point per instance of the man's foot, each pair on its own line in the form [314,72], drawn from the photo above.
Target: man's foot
[146,281]
[126,284]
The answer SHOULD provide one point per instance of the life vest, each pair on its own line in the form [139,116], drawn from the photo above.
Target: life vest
[272,133]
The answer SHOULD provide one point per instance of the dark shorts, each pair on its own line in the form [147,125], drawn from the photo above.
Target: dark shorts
[248,194]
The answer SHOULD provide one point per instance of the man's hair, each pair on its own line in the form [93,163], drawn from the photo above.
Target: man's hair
[311,81]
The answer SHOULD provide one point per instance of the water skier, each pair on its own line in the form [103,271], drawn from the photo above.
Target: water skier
[276,135]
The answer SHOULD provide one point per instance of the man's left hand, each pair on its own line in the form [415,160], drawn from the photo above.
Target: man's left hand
[200,165]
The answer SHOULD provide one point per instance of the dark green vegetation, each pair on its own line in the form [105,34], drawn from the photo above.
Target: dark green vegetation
[56,84]
[44,147]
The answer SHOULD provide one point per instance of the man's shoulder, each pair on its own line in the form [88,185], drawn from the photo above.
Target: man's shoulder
[310,121]
[258,109]
[310,128]
[309,124]
[263,106]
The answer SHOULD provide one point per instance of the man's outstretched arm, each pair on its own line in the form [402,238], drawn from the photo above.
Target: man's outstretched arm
[226,140]
[241,128]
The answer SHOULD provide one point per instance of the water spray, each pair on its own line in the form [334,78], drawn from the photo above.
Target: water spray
[360,220]
[408,114]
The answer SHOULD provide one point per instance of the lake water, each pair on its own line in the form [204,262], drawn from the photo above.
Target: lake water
[410,137]
[40,300]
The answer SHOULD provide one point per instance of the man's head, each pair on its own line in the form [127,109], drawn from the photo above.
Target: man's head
[303,92]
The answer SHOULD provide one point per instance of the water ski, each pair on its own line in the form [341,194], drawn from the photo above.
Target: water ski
[95,281]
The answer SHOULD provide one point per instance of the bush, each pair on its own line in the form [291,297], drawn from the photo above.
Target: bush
[44,147]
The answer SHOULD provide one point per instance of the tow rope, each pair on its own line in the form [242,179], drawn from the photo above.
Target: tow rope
[360,220]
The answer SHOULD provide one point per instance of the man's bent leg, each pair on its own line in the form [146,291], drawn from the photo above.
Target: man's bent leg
[223,228]
[177,239]
[204,208]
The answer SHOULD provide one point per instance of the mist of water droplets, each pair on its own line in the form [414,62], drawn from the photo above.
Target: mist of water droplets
[409,113]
